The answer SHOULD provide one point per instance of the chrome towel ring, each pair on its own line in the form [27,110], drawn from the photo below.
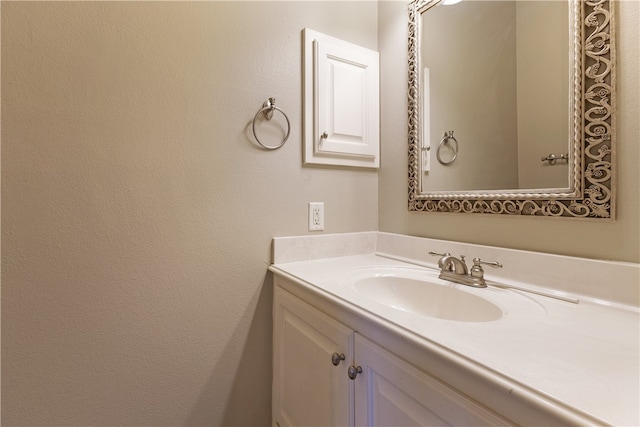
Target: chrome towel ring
[445,141]
[268,107]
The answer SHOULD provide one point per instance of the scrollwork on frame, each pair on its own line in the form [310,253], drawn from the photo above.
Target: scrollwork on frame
[592,191]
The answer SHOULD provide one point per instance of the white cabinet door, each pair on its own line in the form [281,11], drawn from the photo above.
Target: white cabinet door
[341,102]
[308,390]
[392,392]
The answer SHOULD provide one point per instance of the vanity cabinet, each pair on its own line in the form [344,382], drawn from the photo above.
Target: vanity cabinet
[310,390]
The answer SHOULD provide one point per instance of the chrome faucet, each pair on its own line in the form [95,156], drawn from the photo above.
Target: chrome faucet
[455,270]
[454,265]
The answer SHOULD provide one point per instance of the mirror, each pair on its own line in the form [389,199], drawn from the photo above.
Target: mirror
[511,107]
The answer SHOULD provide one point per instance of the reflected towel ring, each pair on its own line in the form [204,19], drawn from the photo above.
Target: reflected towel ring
[267,109]
[445,140]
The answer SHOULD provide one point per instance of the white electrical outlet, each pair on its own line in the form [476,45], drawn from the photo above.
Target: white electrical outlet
[316,216]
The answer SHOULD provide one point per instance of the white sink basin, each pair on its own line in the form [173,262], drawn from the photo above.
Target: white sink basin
[420,291]
[428,299]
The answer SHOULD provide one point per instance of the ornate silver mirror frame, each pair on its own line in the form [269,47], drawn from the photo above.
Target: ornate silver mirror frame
[592,151]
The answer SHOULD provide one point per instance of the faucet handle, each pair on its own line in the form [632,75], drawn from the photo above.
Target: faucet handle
[494,264]
[439,254]
[477,271]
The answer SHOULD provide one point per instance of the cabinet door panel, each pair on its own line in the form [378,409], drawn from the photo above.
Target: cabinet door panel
[344,113]
[391,405]
[390,391]
[308,390]
[341,102]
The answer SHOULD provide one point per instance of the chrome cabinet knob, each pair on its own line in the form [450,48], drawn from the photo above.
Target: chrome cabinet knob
[337,358]
[353,371]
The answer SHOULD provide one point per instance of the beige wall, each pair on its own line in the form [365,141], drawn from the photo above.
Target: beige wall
[617,240]
[137,213]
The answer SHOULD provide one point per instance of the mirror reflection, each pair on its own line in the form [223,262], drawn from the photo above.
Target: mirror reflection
[495,95]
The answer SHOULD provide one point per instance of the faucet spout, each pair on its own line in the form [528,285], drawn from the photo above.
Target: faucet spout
[455,265]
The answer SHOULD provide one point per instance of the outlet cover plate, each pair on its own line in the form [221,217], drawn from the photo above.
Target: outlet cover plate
[316,216]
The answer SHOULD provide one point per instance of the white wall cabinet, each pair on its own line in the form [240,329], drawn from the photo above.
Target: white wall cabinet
[308,390]
[341,102]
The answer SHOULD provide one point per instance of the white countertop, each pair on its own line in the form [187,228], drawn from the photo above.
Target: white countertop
[584,355]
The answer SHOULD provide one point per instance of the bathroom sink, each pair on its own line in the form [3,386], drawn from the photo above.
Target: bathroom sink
[421,292]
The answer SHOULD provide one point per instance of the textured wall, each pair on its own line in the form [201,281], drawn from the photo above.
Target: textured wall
[137,215]
[619,240]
